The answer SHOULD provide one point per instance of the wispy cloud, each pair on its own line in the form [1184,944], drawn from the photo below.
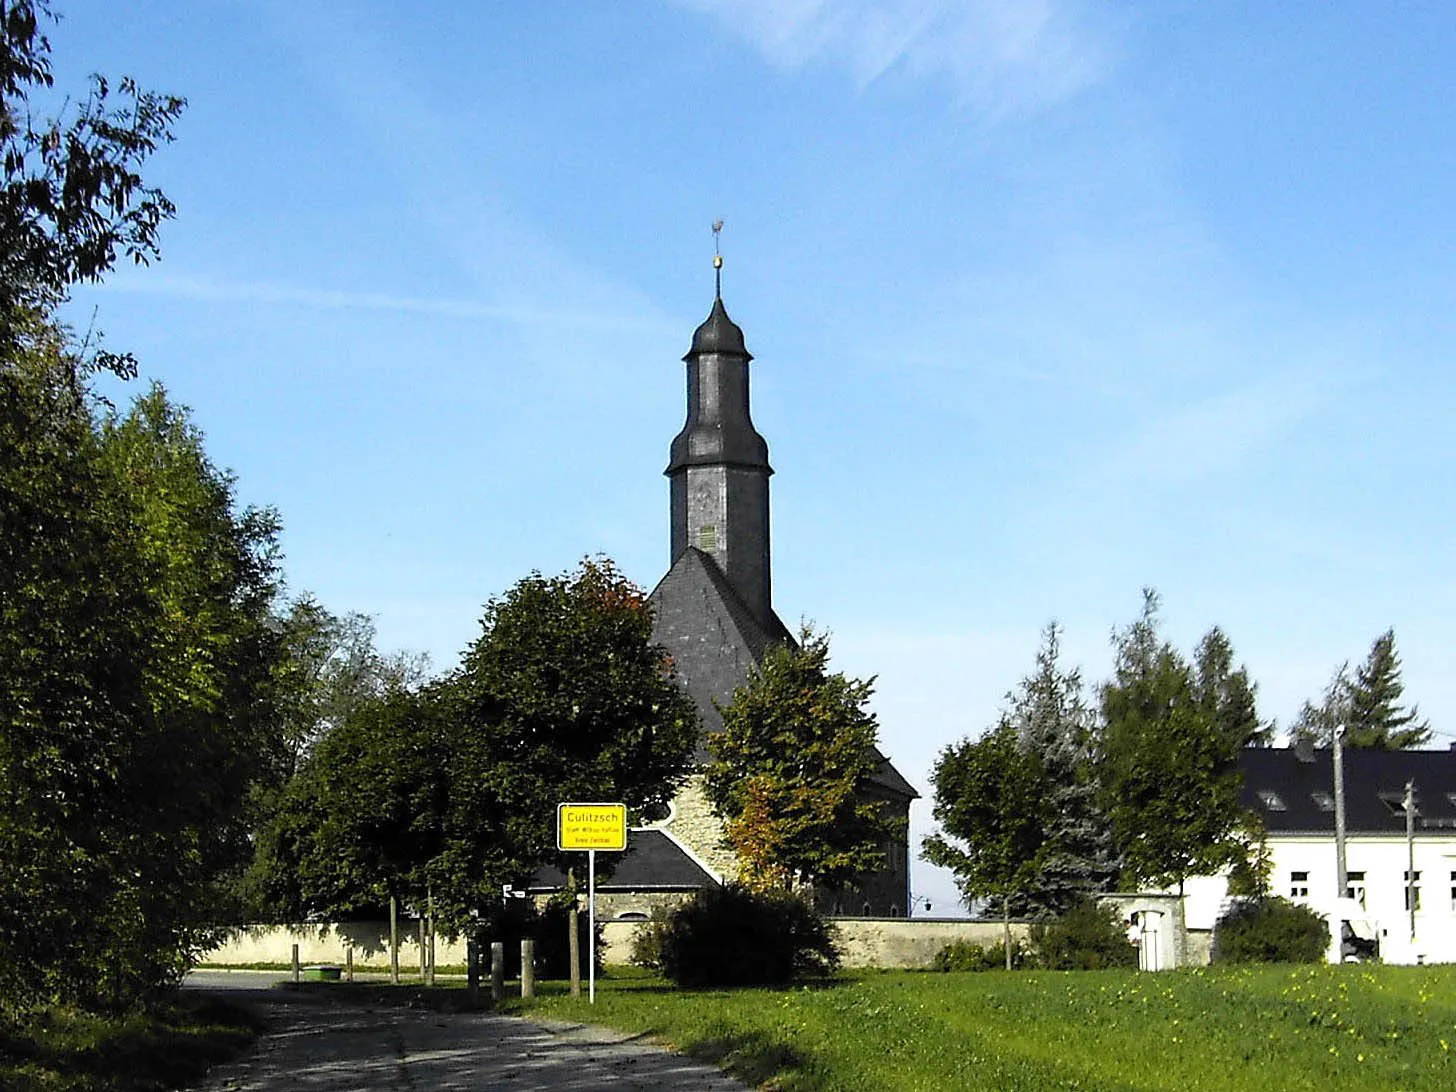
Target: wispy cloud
[1000,56]
[210,290]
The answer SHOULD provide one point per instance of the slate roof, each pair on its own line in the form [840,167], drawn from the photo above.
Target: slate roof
[1294,796]
[652,862]
[710,633]
[715,641]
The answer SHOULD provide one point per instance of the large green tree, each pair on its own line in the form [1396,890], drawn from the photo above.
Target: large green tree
[790,771]
[452,790]
[135,684]
[1168,768]
[994,806]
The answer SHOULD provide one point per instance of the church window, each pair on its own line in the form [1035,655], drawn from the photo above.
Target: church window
[868,910]
[707,538]
[1299,885]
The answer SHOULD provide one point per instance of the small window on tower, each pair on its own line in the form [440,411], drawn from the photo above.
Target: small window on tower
[707,538]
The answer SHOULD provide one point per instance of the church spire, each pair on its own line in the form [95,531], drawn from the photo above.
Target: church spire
[719,466]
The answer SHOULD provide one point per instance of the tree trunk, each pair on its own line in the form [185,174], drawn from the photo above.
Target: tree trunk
[573,940]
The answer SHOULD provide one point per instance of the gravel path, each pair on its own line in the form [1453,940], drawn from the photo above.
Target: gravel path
[341,1047]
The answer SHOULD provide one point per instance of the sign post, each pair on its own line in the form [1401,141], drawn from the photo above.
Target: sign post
[591,827]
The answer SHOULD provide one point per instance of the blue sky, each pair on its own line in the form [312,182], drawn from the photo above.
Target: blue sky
[1049,300]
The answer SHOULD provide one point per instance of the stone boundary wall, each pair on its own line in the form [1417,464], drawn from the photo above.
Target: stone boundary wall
[330,944]
[887,943]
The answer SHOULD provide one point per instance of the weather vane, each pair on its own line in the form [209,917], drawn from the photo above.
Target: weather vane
[717,258]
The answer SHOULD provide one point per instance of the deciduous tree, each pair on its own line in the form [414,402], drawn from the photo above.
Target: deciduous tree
[790,769]
[993,804]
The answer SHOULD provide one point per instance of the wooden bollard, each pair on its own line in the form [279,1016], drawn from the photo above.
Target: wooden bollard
[497,970]
[528,969]
[297,971]
[349,963]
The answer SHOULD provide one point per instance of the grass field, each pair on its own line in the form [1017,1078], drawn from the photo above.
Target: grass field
[1319,1028]
[63,1051]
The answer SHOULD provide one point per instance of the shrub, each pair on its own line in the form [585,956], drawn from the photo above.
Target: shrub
[731,936]
[964,955]
[1270,930]
[1088,937]
[647,941]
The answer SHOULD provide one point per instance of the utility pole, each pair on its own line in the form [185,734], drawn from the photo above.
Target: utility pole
[1342,877]
[1410,854]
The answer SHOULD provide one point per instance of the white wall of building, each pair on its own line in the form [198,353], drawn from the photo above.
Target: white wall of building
[1304,872]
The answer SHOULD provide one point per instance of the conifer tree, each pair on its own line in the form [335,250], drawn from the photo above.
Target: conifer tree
[1053,720]
[1365,706]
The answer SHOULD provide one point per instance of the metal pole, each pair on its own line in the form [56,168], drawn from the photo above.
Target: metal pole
[1410,854]
[591,926]
[1342,877]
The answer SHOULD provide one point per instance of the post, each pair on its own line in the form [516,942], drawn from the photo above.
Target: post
[349,963]
[497,970]
[573,941]
[1342,877]
[472,967]
[296,970]
[424,952]
[394,940]
[1410,854]
[528,969]
[430,911]
[591,926]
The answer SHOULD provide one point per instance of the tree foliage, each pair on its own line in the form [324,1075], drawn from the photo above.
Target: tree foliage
[452,790]
[1366,707]
[993,805]
[135,667]
[790,772]
[73,199]
[1168,771]
[1052,718]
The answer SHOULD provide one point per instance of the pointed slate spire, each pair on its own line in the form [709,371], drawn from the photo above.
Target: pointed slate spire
[719,466]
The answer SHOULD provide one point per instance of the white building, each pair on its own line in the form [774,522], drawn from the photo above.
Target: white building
[1292,790]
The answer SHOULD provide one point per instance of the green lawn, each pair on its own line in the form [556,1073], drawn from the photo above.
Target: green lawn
[1260,1028]
[59,1050]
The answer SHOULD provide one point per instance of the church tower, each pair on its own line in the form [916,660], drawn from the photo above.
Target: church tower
[719,466]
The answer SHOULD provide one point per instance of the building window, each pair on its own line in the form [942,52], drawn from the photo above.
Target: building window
[1271,800]
[1453,890]
[1323,800]
[1355,887]
[1299,885]
[1395,802]
[1413,890]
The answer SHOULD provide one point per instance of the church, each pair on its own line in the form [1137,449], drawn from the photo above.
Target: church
[714,615]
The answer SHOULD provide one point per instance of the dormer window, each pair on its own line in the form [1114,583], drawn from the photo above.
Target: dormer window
[1323,800]
[1271,800]
[1394,802]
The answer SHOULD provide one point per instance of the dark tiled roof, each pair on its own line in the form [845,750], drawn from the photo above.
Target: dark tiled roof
[1294,796]
[653,862]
